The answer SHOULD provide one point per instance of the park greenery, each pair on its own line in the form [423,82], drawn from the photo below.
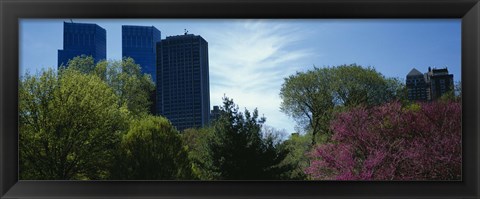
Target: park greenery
[93,121]
[313,97]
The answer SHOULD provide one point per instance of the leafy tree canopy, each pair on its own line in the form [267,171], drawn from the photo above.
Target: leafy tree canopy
[298,146]
[152,149]
[68,125]
[84,64]
[312,97]
[133,88]
[196,141]
[72,120]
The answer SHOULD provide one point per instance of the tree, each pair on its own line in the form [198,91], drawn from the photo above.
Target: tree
[84,64]
[196,141]
[391,142]
[312,97]
[298,146]
[454,94]
[69,123]
[133,88]
[151,150]
[239,151]
[308,98]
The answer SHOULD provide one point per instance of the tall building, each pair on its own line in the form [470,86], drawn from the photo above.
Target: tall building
[139,43]
[82,39]
[183,93]
[429,86]
[417,88]
[440,82]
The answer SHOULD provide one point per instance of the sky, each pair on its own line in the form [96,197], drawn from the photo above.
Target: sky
[249,58]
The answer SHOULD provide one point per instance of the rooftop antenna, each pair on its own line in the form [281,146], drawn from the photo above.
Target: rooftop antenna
[186,31]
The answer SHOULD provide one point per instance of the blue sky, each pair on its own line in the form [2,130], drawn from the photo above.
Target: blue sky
[249,58]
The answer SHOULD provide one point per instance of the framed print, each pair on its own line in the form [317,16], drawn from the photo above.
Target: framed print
[201,99]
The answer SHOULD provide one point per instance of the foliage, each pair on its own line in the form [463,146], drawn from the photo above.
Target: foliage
[298,146]
[239,151]
[72,122]
[133,88]
[91,121]
[312,97]
[196,141]
[389,142]
[68,125]
[151,150]
[84,64]
[454,94]
[308,98]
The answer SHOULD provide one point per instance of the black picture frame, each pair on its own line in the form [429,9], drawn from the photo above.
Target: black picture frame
[12,10]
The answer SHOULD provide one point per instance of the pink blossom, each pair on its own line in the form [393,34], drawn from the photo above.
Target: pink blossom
[391,142]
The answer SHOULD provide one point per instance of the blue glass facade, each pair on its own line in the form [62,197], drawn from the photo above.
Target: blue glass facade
[183,88]
[139,43]
[82,39]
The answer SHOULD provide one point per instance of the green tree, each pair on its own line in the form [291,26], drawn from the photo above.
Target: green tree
[152,150]
[309,99]
[133,88]
[69,125]
[454,94]
[314,96]
[238,149]
[196,141]
[84,64]
[298,146]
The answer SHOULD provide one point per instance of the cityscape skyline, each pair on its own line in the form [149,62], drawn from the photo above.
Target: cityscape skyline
[250,58]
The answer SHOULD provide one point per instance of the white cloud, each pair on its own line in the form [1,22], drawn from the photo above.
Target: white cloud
[248,61]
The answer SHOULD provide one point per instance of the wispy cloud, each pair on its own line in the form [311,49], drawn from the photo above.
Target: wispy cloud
[248,61]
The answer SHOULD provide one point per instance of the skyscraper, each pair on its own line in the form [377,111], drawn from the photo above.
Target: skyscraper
[139,43]
[429,86]
[440,82]
[183,93]
[417,87]
[82,39]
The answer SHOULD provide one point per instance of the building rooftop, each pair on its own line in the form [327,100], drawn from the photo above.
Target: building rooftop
[442,71]
[414,72]
[181,36]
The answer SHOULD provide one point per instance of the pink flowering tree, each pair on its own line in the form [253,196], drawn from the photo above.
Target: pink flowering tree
[391,142]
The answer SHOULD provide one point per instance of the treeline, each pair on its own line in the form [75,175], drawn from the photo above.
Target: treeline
[91,121]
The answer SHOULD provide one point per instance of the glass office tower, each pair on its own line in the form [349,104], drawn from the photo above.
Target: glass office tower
[82,39]
[183,88]
[139,43]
